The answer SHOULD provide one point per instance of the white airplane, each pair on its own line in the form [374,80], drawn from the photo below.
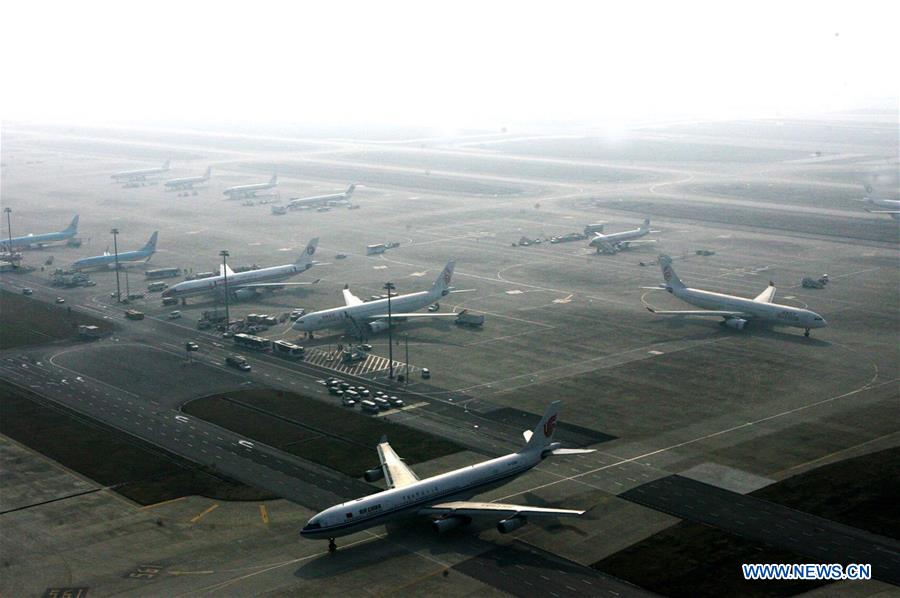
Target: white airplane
[243,285]
[188,182]
[41,239]
[736,311]
[373,315]
[322,200]
[141,174]
[109,259]
[240,191]
[442,497]
[892,205]
[613,243]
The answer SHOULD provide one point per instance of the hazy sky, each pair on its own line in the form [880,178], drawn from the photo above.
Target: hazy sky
[444,64]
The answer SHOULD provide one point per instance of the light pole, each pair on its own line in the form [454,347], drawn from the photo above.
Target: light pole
[224,253]
[406,379]
[115,233]
[389,287]
[8,211]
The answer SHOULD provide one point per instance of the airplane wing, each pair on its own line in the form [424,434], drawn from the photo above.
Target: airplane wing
[601,242]
[415,314]
[468,509]
[701,313]
[766,296]
[262,285]
[350,299]
[640,242]
[396,473]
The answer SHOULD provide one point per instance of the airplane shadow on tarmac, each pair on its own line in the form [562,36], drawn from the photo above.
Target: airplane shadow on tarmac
[722,331]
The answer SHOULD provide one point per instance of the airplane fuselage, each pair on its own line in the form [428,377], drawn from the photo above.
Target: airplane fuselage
[216,284]
[317,201]
[42,239]
[247,190]
[139,175]
[784,315]
[343,316]
[186,182]
[406,501]
[614,239]
[99,261]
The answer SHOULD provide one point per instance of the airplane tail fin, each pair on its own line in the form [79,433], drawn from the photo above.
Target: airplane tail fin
[274,179]
[671,279]
[350,190]
[151,244]
[442,283]
[646,225]
[166,165]
[542,436]
[73,226]
[208,172]
[306,258]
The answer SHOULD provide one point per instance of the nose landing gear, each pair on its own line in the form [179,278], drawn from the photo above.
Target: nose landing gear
[332,547]
[806,334]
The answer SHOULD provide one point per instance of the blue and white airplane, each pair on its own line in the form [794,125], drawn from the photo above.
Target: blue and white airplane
[42,239]
[240,191]
[444,497]
[188,182]
[109,259]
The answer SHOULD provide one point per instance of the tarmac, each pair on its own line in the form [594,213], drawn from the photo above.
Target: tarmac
[657,398]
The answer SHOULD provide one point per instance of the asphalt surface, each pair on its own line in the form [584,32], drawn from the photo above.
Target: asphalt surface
[821,539]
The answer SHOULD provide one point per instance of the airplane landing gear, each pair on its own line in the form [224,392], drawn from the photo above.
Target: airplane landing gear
[806,334]
[332,547]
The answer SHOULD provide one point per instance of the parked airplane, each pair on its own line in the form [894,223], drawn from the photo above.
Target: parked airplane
[141,174]
[109,259]
[373,315]
[188,182]
[615,242]
[240,191]
[42,239]
[736,311]
[322,200]
[442,496]
[243,285]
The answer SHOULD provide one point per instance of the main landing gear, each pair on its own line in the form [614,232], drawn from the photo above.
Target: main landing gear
[332,547]
[806,334]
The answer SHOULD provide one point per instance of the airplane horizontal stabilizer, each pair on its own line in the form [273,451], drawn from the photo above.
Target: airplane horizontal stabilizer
[565,451]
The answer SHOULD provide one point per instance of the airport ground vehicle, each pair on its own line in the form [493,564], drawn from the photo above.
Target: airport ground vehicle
[133,314]
[88,332]
[27,291]
[169,301]
[237,361]
[257,343]
[426,373]
[191,346]
[593,228]
[466,319]
[174,315]
[155,287]
[369,406]
[375,249]
[163,273]
[809,282]
[568,237]
[396,402]
[297,313]
[286,349]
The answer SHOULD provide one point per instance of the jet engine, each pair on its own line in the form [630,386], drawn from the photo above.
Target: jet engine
[445,524]
[736,323]
[374,474]
[378,326]
[244,294]
[513,523]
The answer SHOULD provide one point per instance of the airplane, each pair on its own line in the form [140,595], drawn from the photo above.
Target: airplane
[613,243]
[240,191]
[373,315]
[892,205]
[141,174]
[109,259]
[735,311]
[442,497]
[322,200]
[243,285]
[42,239]
[188,182]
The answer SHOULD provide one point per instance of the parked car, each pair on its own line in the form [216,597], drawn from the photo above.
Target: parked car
[174,315]
[348,402]
[396,401]
[382,403]
[27,291]
[60,300]
[238,361]
[426,373]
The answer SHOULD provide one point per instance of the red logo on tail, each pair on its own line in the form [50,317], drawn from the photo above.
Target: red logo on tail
[310,249]
[667,273]
[446,276]
[550,426]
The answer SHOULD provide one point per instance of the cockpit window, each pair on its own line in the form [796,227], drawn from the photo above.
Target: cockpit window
[313,526]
